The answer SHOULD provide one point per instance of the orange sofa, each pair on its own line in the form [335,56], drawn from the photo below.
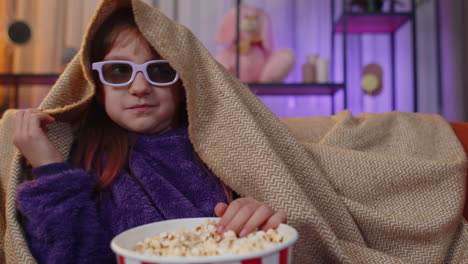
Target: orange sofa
[461,130]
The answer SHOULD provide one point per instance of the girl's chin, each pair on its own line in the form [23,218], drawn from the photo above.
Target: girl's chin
[142,131]
[148,130]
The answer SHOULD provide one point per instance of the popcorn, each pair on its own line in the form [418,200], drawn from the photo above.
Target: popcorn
[205,241]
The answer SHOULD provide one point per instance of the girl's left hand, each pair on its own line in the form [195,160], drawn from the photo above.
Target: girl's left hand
[244,215]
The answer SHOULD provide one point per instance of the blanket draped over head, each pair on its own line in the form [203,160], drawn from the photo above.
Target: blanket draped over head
[372,188]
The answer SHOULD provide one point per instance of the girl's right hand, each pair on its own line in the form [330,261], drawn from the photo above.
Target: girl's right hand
[30,137]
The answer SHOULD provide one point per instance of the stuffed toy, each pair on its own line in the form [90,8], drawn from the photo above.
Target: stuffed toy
[257,62]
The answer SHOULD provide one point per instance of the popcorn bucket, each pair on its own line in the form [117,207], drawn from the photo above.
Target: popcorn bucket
[124,243]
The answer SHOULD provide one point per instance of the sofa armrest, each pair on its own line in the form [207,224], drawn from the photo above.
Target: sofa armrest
[461,130]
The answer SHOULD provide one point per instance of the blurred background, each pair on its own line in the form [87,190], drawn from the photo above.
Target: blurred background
[301,57]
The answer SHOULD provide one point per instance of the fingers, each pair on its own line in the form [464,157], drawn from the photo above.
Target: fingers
[18,126]
[26,124]
[38,121]
[240,217]
[30,124]
[43,117]
[260,216]
[220,209]
[30,137]
[274,221]
[229,214]
[245,215]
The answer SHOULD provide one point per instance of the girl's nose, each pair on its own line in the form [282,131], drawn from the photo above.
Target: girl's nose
[139,86]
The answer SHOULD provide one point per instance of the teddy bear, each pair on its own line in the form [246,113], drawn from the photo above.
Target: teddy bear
[257,61]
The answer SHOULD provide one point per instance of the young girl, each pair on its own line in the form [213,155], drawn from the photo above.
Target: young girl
[373,188]
[132,162]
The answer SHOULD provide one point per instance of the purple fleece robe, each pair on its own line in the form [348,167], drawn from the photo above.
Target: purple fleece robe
[66,222]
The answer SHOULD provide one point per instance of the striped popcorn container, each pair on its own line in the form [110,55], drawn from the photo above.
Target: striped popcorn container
[123,246]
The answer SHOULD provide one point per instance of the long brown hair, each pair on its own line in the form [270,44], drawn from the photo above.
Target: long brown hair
[102,145]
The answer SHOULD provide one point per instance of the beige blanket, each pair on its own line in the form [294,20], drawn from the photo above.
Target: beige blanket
[373,188]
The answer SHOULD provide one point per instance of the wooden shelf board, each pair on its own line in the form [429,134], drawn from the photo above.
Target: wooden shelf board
[372,22]
[28,79]
[295,88]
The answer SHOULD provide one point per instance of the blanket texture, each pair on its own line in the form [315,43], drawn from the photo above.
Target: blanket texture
[373,188]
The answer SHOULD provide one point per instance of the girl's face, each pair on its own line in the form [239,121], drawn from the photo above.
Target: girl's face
[140,106]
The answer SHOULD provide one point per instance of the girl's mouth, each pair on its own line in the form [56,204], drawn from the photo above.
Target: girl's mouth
[141,107]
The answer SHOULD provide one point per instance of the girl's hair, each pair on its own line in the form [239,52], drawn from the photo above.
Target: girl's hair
[103,145]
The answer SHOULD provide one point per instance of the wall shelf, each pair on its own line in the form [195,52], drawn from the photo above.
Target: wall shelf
[381,22]
[295,88]
[26,79]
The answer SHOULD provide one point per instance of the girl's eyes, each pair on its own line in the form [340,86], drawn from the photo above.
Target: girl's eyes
[160,72]
[117,72]
[120,69]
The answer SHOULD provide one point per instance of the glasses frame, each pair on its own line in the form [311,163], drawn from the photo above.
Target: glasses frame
[135,69]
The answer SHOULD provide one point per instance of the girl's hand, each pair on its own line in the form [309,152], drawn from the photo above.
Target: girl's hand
[30,137]
[244,215]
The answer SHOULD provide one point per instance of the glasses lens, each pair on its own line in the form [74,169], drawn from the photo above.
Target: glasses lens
[161,72]
[117,73]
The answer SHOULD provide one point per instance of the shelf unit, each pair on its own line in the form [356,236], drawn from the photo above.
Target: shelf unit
[349,22]
[385,22]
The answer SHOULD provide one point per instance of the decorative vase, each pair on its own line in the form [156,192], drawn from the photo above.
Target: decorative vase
[309,69]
